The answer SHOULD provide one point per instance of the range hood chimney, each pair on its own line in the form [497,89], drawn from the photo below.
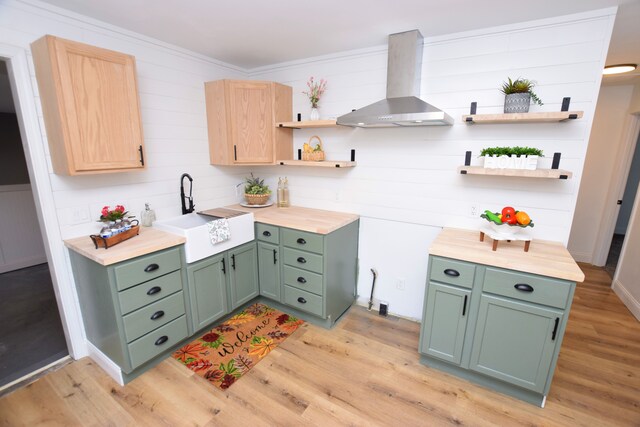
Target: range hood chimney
[402,107]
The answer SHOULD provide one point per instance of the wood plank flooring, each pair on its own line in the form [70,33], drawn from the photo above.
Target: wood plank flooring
[365,371]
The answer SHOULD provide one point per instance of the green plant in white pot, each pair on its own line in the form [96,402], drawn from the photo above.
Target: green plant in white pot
[518,95]
[511,157]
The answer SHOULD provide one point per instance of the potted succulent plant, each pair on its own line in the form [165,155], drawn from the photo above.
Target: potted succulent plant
[518,95]
[256,192]
[511,157]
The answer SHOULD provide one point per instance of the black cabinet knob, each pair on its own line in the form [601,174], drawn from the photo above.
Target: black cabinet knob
[151,267]
[302,280]
[154,290]
[302,300]
[163,339]
[266,233]
[451,272]
[158,314]
[301,260]
[523,287]
[301,241]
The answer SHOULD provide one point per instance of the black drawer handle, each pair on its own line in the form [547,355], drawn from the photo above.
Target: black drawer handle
[275,257]
[163,339]
[154,290]
[523,287]
[301,241]
[151,267]
[233,261]
[555,329]
[451,272]
[464,306]
[224,267]
[266,233]
[302,300]
[158,314]
[302,280]
[301,260]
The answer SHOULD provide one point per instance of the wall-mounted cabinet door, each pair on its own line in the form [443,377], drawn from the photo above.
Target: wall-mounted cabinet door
[243,274]
[445,322]
[207,290]
[515,341]
[269,270]
[91,108]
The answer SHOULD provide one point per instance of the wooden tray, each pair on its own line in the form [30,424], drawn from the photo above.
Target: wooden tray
[102,242]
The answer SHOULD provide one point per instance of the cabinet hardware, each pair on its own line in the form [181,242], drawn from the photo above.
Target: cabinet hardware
[301,241]
[275,260]
[266,233]
[302,300]
[224,268]
[151,267]
[141,155]
[555,329]
[523,287]
[301,260]
[451,272]
[154,290]
[163,339]
[157,315]
[464,306]
[233,262]
[302,280]
[235,153]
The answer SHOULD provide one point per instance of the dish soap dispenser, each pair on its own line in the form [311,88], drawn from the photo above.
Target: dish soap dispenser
[285,193]
[147,216]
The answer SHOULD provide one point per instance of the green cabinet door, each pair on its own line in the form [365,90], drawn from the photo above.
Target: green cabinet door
[445,322]
[243,274]
[207,290]
[269,270]
[515,341]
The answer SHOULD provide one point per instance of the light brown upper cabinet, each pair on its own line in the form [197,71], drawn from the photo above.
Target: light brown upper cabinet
[91,108]
[241,118]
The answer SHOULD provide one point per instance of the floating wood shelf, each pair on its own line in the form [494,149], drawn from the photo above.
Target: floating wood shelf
[308,124]
[544,117]
[537,173]
[322,164]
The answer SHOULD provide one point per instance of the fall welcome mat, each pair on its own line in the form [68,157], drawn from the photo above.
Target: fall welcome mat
[229,350]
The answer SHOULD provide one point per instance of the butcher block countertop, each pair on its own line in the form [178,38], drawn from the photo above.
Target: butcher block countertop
[305,219]
[545,258]
[149,240]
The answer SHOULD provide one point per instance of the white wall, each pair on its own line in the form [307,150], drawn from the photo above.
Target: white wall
[600,165]
[405,185]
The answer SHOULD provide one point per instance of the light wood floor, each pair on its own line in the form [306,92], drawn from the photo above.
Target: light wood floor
[365,371]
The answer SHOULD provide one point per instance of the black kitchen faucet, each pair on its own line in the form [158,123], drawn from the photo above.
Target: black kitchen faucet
[183,198]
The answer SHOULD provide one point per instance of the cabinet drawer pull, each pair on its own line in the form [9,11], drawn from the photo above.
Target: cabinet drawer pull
[523,287]
[151,267]
[451,272]
[224,267]
[266,233]
[154,290]
[302,280]
[301,260]
[158,314]
[163,339]
[233,261]
[275,259]
[464,306]
[301,241]
[302,300]
[555,329]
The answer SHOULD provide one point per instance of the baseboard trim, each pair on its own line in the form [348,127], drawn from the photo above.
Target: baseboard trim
[582,257]
[625,296]
[105,363]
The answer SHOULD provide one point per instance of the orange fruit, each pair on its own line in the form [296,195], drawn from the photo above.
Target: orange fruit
[523,218]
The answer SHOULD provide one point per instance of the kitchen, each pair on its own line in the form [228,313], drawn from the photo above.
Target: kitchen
[404,183]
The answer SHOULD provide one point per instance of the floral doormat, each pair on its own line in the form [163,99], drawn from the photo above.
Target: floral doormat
[231,349]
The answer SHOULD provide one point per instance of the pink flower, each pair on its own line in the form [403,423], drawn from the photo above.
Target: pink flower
[105,211]
[120,208]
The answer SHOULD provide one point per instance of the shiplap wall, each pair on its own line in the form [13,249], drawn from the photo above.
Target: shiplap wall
[405,185]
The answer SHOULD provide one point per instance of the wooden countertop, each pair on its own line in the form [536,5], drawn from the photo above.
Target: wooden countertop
[149,240]
[305,219]
[545,258]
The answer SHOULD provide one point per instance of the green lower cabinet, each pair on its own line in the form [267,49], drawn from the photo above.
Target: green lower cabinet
[207,290]
[243,274]
[269,270]
[515,342]
[445,323]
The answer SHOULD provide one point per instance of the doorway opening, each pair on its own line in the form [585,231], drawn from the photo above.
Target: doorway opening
[31,335]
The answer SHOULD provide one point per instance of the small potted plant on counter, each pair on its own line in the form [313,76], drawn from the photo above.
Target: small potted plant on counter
[511,157]
[256,192]
[518,95]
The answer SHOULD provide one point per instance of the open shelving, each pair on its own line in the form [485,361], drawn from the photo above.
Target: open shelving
[322,164]
[542,117]
[308,124]
[527,173]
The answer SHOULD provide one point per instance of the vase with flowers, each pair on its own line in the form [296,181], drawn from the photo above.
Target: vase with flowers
[314,92]
[108,215]
[117,227]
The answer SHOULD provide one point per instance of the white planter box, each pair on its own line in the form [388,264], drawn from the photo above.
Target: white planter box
[506,162]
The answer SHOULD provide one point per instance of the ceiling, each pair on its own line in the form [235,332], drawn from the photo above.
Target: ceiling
[254,33]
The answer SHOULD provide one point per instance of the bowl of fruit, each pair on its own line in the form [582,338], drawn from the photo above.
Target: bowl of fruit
[508,222]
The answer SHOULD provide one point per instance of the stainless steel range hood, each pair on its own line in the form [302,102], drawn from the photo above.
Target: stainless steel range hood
[402,107]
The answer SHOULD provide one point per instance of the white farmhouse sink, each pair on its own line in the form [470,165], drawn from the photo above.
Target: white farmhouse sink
[194,228]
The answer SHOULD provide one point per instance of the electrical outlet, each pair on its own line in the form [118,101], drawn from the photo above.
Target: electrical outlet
[474,210]
[79,215]
[384,308]
[400,284]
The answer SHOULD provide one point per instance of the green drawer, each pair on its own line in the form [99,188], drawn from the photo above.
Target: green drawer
[147,267]
[303,300]
[538,289]
[267,233]
[154,343]
[457,273]
[148,292]
[302,240]
[302,279]
[153,316]
[304,260]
